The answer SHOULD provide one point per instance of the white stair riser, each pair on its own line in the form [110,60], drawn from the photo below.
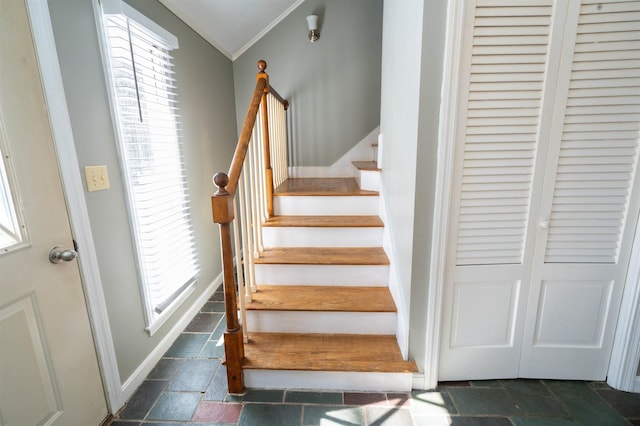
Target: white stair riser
[321,322]
[368,179]
[321,237]
[328,380]
[342,275]
[325,206]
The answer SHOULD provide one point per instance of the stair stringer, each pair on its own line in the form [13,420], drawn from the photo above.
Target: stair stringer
[402,322]
[342,167]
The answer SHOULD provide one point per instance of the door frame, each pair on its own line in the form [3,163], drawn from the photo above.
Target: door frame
[625,355]
[42,30]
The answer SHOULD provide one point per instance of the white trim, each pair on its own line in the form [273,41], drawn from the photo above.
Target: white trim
[202,33]
[402,328]
[140,374]
[443,187]
[328,380]
[266,29]
[168,313]
[74,195]
[625,355]
[363,150]
[118,7]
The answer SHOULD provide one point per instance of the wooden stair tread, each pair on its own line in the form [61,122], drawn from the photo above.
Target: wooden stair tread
[325,352]
[366,165]
[321,186]
[325,221]
[321,298]
[324,256]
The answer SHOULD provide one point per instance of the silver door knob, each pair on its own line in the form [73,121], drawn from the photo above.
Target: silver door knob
[58,254]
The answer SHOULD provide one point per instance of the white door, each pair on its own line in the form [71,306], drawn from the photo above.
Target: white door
[546,193]
[48,367]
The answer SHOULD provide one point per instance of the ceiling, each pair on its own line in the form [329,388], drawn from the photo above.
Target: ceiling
[232,26]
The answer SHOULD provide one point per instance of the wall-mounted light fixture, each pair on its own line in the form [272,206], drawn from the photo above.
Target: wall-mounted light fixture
[312,23]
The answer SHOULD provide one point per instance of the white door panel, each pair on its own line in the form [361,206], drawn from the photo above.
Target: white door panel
[48,368]
[550,200]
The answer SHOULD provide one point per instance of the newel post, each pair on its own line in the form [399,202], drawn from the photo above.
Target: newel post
[222,207]
[262,66]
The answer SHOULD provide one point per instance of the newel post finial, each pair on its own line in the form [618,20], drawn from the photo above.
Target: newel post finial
[262,66]
[221,180]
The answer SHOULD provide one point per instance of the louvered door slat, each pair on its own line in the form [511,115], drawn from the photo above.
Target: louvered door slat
[508,63]
[600,137]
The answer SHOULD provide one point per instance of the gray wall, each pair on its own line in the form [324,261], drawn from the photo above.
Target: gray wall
[412,57]
[206,101]
[333,84]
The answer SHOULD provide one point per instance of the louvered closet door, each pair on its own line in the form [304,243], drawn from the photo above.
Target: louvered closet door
[543,188]
[590,207]
[500,110]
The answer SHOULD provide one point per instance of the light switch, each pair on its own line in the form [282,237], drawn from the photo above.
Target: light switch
[97,178]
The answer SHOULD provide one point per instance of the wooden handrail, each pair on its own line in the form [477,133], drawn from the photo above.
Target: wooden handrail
[245,134]
[222,205]
[280,99]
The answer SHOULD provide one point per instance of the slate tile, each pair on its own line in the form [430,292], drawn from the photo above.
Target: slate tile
[175,406]
[431,420]
[258,395]
[533,398]
[483,401]
[480,421]
[194,375]
[486,383]
[270,415]
[217,390]
[365,398]
[338,415]
[165,369]
[584,404]
[217,412]
[217,296]
[213,307]
[143,399]
[543,421]
[212,349]
[388,416]
[625,403]
[431,403]
[187,345]
[458,384]
[203,322]
[124,423]
[304,397]
[399,400]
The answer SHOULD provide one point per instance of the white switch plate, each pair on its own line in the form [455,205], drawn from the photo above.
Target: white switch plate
[97,178]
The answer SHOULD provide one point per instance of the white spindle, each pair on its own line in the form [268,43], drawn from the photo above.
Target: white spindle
[239,271]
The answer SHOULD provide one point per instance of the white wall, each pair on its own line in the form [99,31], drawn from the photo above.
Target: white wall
[412,59]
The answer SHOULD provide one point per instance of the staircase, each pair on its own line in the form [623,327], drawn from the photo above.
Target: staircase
[323,316]
[310,306]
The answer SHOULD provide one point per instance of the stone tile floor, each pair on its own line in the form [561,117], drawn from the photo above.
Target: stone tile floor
[188,386]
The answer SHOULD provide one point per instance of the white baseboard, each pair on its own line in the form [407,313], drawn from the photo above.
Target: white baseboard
[362,151]
[417,382]
[143,370]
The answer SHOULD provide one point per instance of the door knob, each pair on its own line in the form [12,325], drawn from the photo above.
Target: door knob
[58,254]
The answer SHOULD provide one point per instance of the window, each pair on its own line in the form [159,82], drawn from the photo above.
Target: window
[144,101]
[11,228]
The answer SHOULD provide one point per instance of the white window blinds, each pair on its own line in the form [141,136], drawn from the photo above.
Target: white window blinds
[148,122]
